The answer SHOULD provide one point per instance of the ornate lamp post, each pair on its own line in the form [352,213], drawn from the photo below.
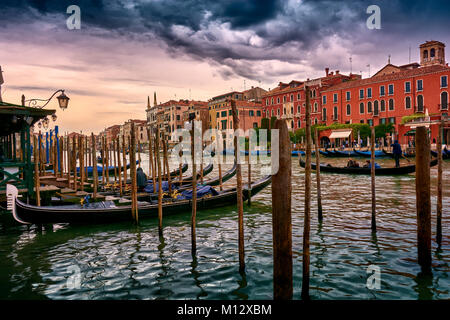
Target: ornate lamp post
[63,102]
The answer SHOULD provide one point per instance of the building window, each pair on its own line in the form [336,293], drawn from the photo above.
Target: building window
[258,113]
[251,113]
[284,98]
[361,121]
[278,100]
[314,93]
[349,110]
[375,107]
[347,95]
[298,109]
[315,121]
[420,103]
[392,120]
[324,114]
[218,115]
[361,108]
[315,107]
[298,124]
[370,122]
[382,106]
[369,107]
[324,99]
[382,91]
[383,121]
[361,93]
[273,113]
[284,110]
[335,97]
[391,89]
[444,100]
[391,104]
[278,111]
[408,103]
[223,114]
[419,85]
[444,83]
[407,87]
[292,97]
[335,113]
[369,92]
[298,96]
[272,100]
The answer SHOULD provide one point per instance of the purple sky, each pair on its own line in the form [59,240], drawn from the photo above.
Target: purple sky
[126,50]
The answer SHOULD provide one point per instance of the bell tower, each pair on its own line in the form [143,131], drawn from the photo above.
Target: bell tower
[431,53]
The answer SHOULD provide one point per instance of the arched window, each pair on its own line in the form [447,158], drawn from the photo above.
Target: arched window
[444,100]
[375,107]
[391,104]
[298,108]
[298,124]
[292,110]
[420,103]
[315,121]
[272,113]
[432,53]
[315,106]
[361,108]
[292,124]
[382,106]
[349,110]
[408,103]
[314,93]
[278,111]
[369,107]
[272,100]
[284,98]
[284,110]
[292,97]
[425,54]
[278,100]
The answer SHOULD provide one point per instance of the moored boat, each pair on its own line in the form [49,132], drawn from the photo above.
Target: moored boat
[109,211]
[366,171]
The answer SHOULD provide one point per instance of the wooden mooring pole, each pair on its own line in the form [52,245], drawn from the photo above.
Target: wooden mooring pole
[134,205]
[240,200]
[119,167]
[158,163]
[281,219]
[372,178]
[439,186]
[37,183]
[194,191]
[319,192]
[94,164]
[306,223]
[423,201]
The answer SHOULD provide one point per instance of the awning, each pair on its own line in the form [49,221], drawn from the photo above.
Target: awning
[340,134]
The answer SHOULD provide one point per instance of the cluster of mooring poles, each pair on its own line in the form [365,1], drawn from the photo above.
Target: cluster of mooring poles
[281,204]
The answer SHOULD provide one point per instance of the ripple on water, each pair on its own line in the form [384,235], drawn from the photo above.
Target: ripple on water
[124,262]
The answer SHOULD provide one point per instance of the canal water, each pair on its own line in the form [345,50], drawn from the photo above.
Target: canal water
[122,261]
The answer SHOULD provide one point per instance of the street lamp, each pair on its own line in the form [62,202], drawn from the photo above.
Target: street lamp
[63,100]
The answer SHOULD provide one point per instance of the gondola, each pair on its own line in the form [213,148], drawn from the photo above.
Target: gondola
[296,153]
[367,154]
[445,154]
[110,169]
[378,172]
[407,155]
[210,182]
[109,211]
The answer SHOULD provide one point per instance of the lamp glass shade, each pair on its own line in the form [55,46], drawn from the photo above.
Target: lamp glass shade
[63,101]
[54,117]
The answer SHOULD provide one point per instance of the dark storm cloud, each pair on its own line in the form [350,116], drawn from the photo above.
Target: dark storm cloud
[227,32]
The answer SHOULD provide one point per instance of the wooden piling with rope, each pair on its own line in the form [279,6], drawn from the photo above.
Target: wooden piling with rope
[439,186]
[134,204]
[372,178]
[319,191]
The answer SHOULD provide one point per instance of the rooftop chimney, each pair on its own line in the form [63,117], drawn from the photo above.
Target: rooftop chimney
[327,70]
[337,71]
[331,73]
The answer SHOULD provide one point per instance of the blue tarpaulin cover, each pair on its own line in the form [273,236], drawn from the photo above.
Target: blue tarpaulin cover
[165,187]
[201,192]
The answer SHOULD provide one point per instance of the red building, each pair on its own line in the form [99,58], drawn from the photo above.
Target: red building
[392,93]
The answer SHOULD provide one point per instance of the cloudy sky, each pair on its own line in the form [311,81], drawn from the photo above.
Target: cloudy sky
[128,49]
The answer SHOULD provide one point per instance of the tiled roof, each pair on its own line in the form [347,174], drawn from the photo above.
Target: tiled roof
[389,77]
